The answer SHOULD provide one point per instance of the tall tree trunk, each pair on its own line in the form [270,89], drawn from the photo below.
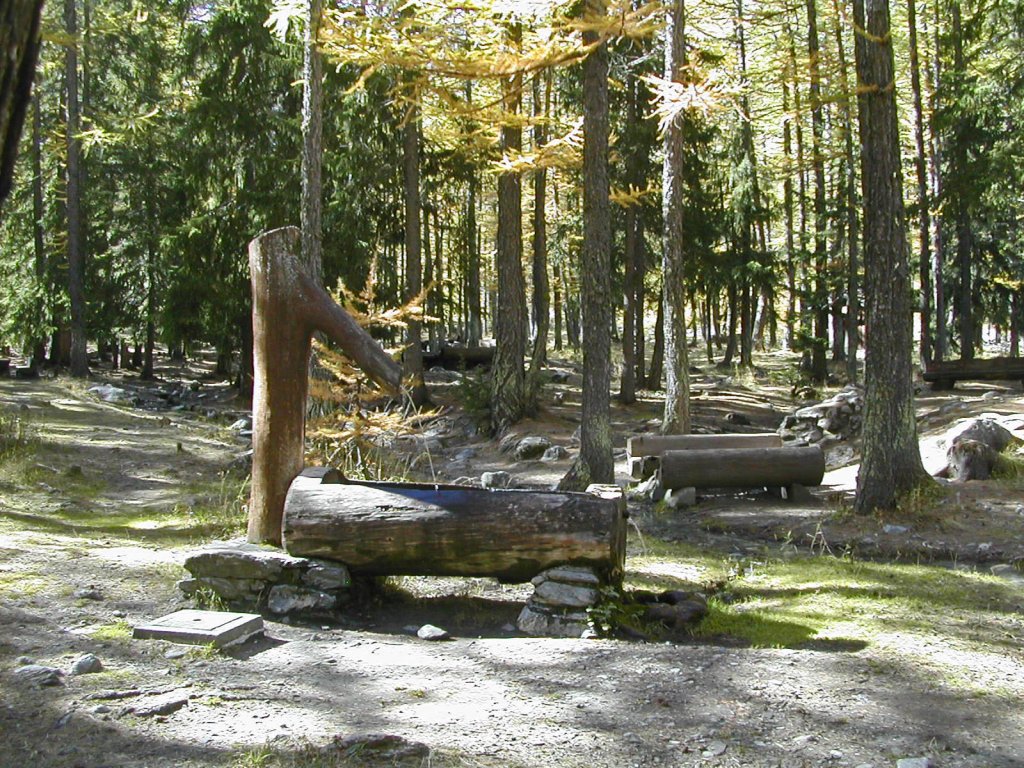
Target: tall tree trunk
[312,141]
[541,287]
[787,204]
[20,48]
[627,381]
[640,304]
[934,169]
[556,274]
[891,463]
[508,378]
[964,234]
[851,328]
[38,234]
[676,417]
[923,203]
[412,357]
[819,366]
[76,242]
[475,324]
[594,464]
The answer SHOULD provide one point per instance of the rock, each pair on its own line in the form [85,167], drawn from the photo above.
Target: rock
[88,593]
[238,559]
[539,622]
[108,393]
[984,430]
[226,589]
[241,424]
[970,460]
[677,615]
[86,665]
[285,598]
[430,632]
[649,490]
[715,749]
[894,529]
[559,377]
[554,453]
[737,418]
[677,596]
[914,762]
[39,675]
[568,575]
[495,479]
[567,595]
[531,448]
[465,454]
[379,749]
[327,576]
[680,497]
[175,653]
[156,706]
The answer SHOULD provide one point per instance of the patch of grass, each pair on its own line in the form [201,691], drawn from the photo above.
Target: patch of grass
[16,585]
[17,436]
[753,626]
[1009,465]
[116,631]
[922,502]
[302,754]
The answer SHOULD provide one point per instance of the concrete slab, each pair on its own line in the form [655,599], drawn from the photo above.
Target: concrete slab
[218,628]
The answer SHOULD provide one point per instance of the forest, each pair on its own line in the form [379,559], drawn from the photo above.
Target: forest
[745,272]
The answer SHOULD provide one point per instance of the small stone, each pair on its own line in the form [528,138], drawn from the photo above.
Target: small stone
[101,709]
[159,706]
[23,660]
[569,595]
[889,528]
[532,447]
[914,762]
[554,453]
[537,622]
[465,454]
[327,576]
[432,633]
[88,593]
[680,497]
[835,754]
[495,479]
[284,598]
[570,575]
[715,749]
[175,653]
[86,665]
[39,675]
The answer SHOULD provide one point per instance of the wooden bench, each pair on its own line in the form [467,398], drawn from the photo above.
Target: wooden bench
[426,529]
[944,374]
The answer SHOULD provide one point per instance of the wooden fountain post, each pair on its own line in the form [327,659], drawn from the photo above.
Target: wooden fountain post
[288,307]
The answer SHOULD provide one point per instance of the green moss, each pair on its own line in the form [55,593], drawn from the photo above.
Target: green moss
[117,631]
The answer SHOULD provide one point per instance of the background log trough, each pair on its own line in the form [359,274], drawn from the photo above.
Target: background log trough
[743,468]
[644,452]
[452,530]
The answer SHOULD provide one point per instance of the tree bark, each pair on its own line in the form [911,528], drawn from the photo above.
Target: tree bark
[594,463]
[289,305]
[380,529]
[75,244]
[676,416]
[923,202]
[891,461]
[19,46]
[819,365]
[412,357]
[38,234]
[541,287]
[508,378]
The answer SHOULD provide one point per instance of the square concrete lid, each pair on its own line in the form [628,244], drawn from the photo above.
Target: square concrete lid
[218,628]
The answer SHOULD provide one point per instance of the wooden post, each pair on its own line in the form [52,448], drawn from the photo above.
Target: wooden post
[288,306]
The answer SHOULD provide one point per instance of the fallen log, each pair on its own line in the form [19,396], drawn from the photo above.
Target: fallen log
[743,467]
[380,529]
[656,445]
[453,357]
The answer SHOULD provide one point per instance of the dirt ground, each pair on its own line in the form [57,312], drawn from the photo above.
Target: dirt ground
[96,520]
